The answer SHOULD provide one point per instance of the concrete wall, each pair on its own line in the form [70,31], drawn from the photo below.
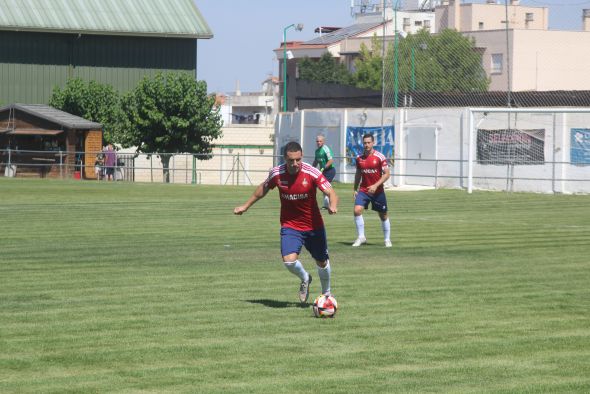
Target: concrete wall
[432,146]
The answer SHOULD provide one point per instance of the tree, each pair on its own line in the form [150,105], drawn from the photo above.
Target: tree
[170,113]
[90,100]
[368,66]
[444,62]
[326,69]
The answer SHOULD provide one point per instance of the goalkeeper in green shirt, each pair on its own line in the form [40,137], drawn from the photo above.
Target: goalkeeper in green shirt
[324,160]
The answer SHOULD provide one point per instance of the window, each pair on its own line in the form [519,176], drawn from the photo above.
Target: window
[427,24]
[529,17]
[417,23]
[406,21]
[497,63]
[480,25]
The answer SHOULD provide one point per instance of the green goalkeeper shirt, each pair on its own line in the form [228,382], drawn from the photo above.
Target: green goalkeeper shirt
[322,156]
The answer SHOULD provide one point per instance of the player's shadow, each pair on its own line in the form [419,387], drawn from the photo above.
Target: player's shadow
[278,304]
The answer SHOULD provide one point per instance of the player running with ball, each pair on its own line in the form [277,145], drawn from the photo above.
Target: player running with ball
[301,220]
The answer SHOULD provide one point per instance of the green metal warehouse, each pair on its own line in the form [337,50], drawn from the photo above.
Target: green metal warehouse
[43,43]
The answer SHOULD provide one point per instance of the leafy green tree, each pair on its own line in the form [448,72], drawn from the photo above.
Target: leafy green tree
[326,69]
[91,100]
[170,113]
[444,62]
[368,66]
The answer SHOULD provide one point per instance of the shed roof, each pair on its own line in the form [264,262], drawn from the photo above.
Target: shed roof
[177,18]
[54,115]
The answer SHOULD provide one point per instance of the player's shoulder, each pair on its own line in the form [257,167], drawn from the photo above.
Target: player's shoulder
[311,170]
[380,155]
[277,170]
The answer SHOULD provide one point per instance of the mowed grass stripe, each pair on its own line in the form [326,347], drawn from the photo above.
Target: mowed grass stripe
[130,287]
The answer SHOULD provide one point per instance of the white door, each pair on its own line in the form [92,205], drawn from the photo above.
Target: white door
[421,156]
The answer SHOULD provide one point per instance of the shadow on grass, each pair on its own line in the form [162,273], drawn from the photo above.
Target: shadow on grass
[279,304]
[350,244]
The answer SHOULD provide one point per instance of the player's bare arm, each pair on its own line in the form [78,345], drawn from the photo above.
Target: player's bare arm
[373,188]
[260,192]
[333,207]
[357,182]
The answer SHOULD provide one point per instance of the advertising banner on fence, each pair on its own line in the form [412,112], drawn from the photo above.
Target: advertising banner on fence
[511,146]
[580,146]
[384,141]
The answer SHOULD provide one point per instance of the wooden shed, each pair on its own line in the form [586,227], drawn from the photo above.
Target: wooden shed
[39,140]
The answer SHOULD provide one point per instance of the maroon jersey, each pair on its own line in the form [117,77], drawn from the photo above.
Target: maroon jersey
[371,167]
[299,208]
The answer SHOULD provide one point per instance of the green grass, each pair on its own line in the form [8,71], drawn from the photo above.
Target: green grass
[113,287]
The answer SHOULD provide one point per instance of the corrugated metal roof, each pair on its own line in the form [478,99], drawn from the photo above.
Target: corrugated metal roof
[341,34]
[54,115]
[178,18]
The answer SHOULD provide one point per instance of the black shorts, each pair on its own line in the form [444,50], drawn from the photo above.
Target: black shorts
[329,173]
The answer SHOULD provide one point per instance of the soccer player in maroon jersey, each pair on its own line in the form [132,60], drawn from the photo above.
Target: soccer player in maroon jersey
[301,220]
[372,171]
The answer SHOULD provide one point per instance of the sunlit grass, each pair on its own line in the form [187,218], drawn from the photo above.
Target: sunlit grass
[159,288]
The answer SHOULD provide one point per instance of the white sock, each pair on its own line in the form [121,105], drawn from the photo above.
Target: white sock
[386,229]
[360,225]
[296,268]
[326,202]
[324,274]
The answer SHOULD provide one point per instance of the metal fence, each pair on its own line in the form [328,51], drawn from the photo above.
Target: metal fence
[240,169]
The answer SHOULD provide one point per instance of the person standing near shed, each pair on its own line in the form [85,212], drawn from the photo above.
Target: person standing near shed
[324,160]
[110,161]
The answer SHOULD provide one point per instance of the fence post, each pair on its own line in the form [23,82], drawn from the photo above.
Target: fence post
[151,169]
[194,175]
[470,154]
[61,175]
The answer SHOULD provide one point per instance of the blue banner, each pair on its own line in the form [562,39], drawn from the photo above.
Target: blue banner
[384,141]
[580,146]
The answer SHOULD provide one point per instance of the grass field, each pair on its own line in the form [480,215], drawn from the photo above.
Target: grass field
[114,287]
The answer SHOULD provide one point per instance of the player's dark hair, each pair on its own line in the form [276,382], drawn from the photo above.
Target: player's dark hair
[371,136]
[292,146]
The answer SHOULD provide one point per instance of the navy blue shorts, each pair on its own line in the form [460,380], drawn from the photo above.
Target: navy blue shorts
[378,201]
[329,173]
[314,241]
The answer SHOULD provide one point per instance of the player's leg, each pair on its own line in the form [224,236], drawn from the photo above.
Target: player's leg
[361,202]
[291,243]
[317,245]
[379,204]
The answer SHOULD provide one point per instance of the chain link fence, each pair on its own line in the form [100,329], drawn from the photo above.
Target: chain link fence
[485,53]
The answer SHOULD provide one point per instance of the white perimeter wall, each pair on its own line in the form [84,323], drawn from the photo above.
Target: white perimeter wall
[432,146]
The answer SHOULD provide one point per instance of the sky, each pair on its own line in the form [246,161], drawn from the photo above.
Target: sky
[245,33]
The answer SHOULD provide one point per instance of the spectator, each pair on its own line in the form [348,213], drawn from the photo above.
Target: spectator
[110,161]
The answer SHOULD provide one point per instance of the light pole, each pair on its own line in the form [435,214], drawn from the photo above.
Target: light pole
[395,56]
[297,27]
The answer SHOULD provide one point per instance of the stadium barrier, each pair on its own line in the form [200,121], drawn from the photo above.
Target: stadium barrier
[499,171]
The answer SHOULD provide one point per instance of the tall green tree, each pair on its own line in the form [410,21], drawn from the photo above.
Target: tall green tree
[326,69]
[170,113]
[90,100]
[444,62]
[369,65]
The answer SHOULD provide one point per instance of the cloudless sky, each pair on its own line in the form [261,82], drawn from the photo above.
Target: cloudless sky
[245,33]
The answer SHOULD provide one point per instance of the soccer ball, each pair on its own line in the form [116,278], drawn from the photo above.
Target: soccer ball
[325,306]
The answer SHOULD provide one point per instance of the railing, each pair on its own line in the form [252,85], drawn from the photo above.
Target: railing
[248,168]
